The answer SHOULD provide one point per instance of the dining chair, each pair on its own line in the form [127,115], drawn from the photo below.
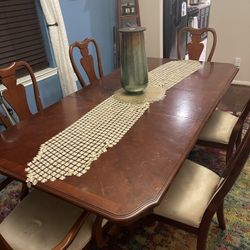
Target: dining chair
[4,121]
[224,130]
[197,193]
[86,60]
[43,222]
[195,46]
[221,129]
[15,96]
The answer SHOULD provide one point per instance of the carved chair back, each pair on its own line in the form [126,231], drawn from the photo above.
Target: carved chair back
[14,94]
[195,47]
[236,135]
[4,121]
[231,173]
[87,60]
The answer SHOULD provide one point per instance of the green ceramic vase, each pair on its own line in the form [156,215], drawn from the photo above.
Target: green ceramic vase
[134,69]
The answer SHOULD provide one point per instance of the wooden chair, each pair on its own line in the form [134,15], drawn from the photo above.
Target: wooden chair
[224,130]
[87,60]
[15,96]
[42,221]
[4,121]
[197,193]
[195,47]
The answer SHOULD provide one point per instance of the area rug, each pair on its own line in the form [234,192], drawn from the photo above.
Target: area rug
[159,236]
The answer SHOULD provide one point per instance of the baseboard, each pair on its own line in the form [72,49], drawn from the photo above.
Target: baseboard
[242,83]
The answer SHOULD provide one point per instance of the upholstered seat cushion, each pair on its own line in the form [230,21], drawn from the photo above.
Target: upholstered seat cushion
[189,194]
[219,127]
[41,221]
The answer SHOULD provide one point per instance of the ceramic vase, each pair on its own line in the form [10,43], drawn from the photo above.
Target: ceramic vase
[134,69]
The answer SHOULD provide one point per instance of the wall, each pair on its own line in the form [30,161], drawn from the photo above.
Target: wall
[92,18]
[50,91]
[152,18]
[83,18]
[231,20]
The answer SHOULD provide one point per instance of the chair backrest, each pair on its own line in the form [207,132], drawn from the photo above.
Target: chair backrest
[14,94]
[236,134]
[195,47]
[4,121]
[87,60]
[232,171]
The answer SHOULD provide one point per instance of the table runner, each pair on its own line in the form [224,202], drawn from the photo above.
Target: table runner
[72,151]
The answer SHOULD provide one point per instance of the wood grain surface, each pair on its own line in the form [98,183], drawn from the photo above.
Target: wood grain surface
[130,178]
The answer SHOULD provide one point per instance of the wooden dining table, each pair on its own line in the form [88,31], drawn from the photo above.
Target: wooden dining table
[129,179]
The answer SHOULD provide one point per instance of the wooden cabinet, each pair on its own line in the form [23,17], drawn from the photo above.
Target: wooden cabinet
[128,13]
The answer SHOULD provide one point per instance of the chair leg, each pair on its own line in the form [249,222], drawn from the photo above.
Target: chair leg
[201,241]
[202,234]
[220,216]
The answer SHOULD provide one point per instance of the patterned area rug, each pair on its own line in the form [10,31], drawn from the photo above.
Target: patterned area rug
[159,236]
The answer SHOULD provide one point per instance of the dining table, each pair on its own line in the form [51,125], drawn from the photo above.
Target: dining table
[130,178]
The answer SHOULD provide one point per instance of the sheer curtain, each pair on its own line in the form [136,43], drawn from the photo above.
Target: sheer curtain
[59,41]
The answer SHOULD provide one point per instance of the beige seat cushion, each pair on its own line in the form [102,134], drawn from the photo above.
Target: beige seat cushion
[219,127]
[41,221]
[189,194]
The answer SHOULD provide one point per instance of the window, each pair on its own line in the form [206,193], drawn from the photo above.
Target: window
[20,34]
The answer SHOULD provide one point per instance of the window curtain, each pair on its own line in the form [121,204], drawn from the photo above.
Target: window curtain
[60,45]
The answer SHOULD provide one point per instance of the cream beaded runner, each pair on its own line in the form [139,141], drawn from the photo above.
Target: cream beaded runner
[72,151]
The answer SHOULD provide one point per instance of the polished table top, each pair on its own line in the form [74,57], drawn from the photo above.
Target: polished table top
[132,176]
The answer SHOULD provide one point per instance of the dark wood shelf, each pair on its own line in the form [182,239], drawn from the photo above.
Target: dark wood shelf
[130,16]
[135,14]
[125,18]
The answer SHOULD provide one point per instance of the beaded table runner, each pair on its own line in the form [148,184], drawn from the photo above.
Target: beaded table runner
[72,151]
[151,94]
[160,80]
